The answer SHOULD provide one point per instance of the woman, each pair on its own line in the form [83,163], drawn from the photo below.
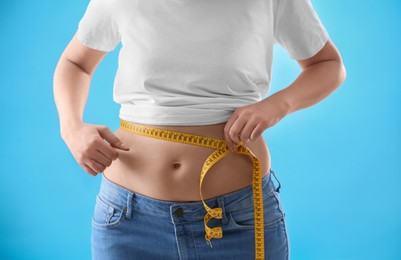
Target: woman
[198,67]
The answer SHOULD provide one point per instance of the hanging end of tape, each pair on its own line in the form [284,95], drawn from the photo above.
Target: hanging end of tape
[208,242]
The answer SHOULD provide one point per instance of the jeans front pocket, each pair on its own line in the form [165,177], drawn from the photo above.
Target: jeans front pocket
[243,218]
[107,213]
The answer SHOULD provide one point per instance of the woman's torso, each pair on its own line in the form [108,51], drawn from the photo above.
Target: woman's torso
[167,170]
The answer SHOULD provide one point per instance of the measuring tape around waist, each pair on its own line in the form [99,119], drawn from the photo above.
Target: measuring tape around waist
[221,150]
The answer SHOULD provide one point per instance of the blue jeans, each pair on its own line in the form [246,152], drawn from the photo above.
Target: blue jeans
[128,225]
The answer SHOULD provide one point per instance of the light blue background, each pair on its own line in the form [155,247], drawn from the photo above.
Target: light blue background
[338,161]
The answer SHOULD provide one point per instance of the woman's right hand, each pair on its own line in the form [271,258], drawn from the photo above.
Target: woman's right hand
[93,146]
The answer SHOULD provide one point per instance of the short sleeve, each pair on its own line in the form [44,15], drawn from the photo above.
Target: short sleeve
[298,28]
[98,28]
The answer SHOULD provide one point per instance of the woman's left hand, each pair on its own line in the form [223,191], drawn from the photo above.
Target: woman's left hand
[249,122]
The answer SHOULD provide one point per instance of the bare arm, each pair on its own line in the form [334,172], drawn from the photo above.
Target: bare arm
[321,75]
[71,83]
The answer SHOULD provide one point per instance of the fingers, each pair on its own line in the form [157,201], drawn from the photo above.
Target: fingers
[108,151]
[257,131]
[89,170]
[95,166]
[241,130]
[102,157]
[237,131]
[228,132]
[112,139]
[94,147]
[247,131]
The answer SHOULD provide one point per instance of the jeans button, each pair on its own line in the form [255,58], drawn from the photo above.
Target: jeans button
[179,212]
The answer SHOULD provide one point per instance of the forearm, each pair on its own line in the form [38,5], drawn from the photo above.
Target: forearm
[70,88]
[313,84]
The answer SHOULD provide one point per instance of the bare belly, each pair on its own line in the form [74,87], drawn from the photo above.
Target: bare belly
[170,171]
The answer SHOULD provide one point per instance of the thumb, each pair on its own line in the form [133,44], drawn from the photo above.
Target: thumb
[111,138]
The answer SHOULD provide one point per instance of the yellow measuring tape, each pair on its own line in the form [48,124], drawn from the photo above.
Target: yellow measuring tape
[221,150]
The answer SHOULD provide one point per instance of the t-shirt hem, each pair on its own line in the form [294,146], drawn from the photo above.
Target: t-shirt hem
[175,120]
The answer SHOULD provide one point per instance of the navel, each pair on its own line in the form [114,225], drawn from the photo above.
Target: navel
[176,165]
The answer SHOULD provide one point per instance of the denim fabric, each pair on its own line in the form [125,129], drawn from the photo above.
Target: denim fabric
[128,225]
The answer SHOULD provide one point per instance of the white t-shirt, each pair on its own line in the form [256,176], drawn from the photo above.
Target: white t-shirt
[193,62]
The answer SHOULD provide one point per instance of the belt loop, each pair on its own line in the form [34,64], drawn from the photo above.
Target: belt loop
[128,214]
[220,203]
[279,184]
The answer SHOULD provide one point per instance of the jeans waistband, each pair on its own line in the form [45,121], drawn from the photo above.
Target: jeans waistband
[163,208]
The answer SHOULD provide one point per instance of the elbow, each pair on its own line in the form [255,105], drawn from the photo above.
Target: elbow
[343,73]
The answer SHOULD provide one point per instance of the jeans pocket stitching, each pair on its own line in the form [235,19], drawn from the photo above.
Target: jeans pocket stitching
[280,206]
[267,225]
[265,196]
[104,213]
